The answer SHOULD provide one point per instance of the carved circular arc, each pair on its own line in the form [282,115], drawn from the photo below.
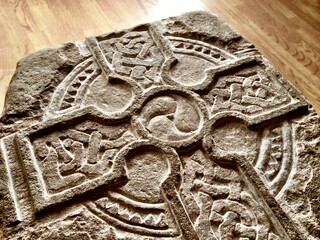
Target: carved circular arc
[79,89]
[168,190]
[258,149]
[276,159]
[200,60]
[223,157]
[69,93]
[165,107]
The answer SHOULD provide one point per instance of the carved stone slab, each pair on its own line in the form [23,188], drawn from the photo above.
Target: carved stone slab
[177,129]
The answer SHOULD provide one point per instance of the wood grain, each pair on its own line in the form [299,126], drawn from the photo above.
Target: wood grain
[286,32]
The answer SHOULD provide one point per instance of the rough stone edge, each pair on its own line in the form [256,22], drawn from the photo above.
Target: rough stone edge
[66,56]
[38,74]
[35,79]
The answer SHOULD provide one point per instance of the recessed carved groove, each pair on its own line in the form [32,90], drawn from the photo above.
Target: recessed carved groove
[174,130]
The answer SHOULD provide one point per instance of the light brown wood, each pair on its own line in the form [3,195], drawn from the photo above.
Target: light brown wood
[286,32]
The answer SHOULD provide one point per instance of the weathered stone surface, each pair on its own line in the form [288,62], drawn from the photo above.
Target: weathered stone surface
[177,129]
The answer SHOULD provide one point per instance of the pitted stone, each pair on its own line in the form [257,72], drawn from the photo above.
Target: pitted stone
[177,129]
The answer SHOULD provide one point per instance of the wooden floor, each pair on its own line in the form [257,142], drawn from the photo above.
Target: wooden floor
[286,32]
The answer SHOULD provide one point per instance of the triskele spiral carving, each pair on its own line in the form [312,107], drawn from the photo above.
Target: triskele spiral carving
[162,134]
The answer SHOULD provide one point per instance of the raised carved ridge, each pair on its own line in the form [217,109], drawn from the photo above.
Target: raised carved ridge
[162,134]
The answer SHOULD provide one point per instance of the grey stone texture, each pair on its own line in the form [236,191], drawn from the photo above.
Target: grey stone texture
[177,129]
